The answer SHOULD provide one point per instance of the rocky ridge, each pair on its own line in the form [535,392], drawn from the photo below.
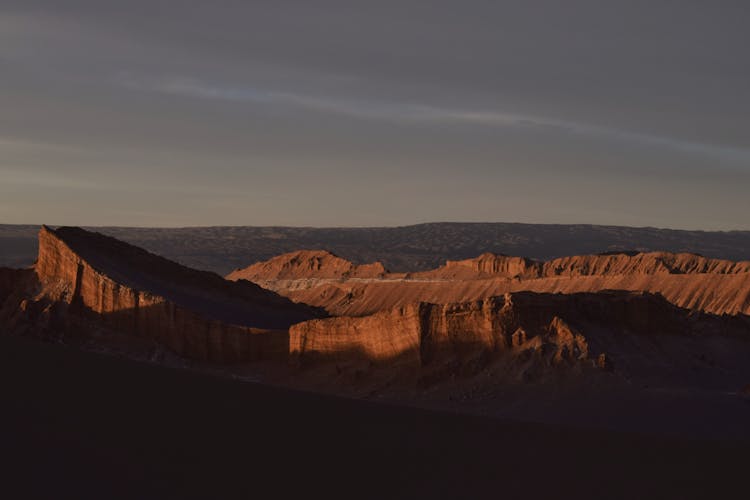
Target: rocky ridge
[551,329]
[687,280]
[457,319]
[85,281]
[305,268]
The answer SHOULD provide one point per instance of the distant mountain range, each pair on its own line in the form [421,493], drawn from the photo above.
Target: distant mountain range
[406,248]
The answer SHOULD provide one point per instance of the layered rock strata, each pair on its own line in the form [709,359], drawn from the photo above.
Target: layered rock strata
[560,328]
[305,268]
[687,280]
[101,282]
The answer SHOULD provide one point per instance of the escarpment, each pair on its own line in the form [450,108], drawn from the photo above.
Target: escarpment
[610,264]
[717,294]
[687,280]
[102,283]
[486,265]
[552,328]
[525,316]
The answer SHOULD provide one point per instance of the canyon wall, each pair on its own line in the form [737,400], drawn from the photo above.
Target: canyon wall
[423,333]
[384,336]
[68,278]
[687,280]
[712,293]
[615,264]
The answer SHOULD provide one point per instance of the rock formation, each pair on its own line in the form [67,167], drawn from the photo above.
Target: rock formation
[311,266]
[465,314]
[86,281]
[610,264]
[686,280]
[520,324]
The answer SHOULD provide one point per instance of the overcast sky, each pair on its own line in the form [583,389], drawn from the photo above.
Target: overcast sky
[346,113]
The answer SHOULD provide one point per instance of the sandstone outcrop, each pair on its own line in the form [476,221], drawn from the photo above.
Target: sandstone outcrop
[687,280]
[486,265]
[610,264]
[308,264]
[553,328]
[96,281]
[305,267]
[717,294]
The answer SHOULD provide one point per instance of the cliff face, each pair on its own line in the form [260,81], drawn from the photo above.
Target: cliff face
[487,264]
[383,336]
[522,324]
[642,263]
[712,293]
[687,280]
[490,265]
[196,314]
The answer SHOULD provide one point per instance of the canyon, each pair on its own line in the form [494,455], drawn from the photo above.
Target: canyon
[641,316]
[315,320]
[498,335]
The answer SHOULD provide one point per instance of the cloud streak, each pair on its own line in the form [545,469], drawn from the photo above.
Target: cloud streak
[422,114]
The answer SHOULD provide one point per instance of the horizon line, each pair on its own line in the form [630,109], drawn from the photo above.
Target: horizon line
[284,226]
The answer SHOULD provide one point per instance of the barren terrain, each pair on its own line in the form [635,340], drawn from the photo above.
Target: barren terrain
[493,335]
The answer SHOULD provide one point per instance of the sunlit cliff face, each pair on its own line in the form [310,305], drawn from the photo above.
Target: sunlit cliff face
[687,280]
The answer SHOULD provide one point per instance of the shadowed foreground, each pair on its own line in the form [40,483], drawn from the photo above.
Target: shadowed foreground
[84,425]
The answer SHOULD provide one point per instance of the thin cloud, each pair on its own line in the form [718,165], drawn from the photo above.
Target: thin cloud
[421,114]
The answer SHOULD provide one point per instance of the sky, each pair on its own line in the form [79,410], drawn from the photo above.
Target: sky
[350,113]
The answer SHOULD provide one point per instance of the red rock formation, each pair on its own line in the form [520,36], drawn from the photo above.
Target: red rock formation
[197,314]
[613,264]
[382,336]
[485,266]
[423,334]
[307,264]
[717,294]
[686,280]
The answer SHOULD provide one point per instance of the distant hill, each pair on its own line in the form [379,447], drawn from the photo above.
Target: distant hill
[406,248]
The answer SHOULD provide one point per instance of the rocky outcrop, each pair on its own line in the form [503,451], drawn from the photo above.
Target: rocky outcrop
[323,280]
[521,324]
[614,264]
[383,336]
[486,265]
[491,265]
[305,264]
[104,283]
[712,293]
[687,280]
